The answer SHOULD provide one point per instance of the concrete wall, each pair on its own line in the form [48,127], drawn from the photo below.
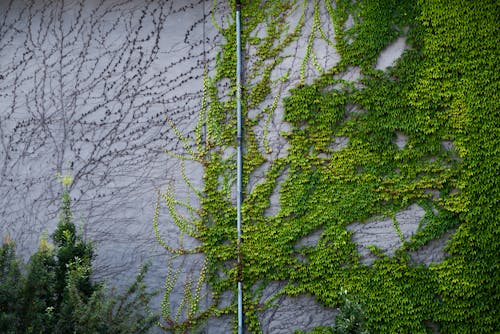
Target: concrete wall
[89,88]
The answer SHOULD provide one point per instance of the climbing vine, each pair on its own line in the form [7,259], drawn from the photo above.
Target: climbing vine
[441,95]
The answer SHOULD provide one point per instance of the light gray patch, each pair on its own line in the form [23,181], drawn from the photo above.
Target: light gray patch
[391,53]
[310,240]
[401,140]
[352,108]
[447,145]
[339,143]
[229,152]
[257,176]
[349,23]
[433,251]
[352,73]
[295,313]
[223,324]
[271,291]
[275,206]
[433,193]
[382,233]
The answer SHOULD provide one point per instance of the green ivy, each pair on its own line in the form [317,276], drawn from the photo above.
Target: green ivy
[443,89]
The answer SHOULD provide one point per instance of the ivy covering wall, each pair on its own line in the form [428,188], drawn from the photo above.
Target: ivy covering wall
[443,89]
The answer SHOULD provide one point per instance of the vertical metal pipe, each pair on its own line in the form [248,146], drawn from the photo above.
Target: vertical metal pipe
[239,163]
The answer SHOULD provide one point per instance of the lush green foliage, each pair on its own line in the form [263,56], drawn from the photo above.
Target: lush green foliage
[56,294]
[10,288]
[442,90]
[351,319]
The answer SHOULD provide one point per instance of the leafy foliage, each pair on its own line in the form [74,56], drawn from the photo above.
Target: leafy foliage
[10,288]
[441,95]
[351,319]
[56,293]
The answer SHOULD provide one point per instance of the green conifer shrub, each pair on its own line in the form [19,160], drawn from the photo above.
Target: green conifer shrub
[10,288]
[54,292]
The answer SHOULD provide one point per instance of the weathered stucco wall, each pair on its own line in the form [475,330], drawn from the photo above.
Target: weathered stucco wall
[92,88]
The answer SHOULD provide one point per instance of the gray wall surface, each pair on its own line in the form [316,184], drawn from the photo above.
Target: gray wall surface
[91,88]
